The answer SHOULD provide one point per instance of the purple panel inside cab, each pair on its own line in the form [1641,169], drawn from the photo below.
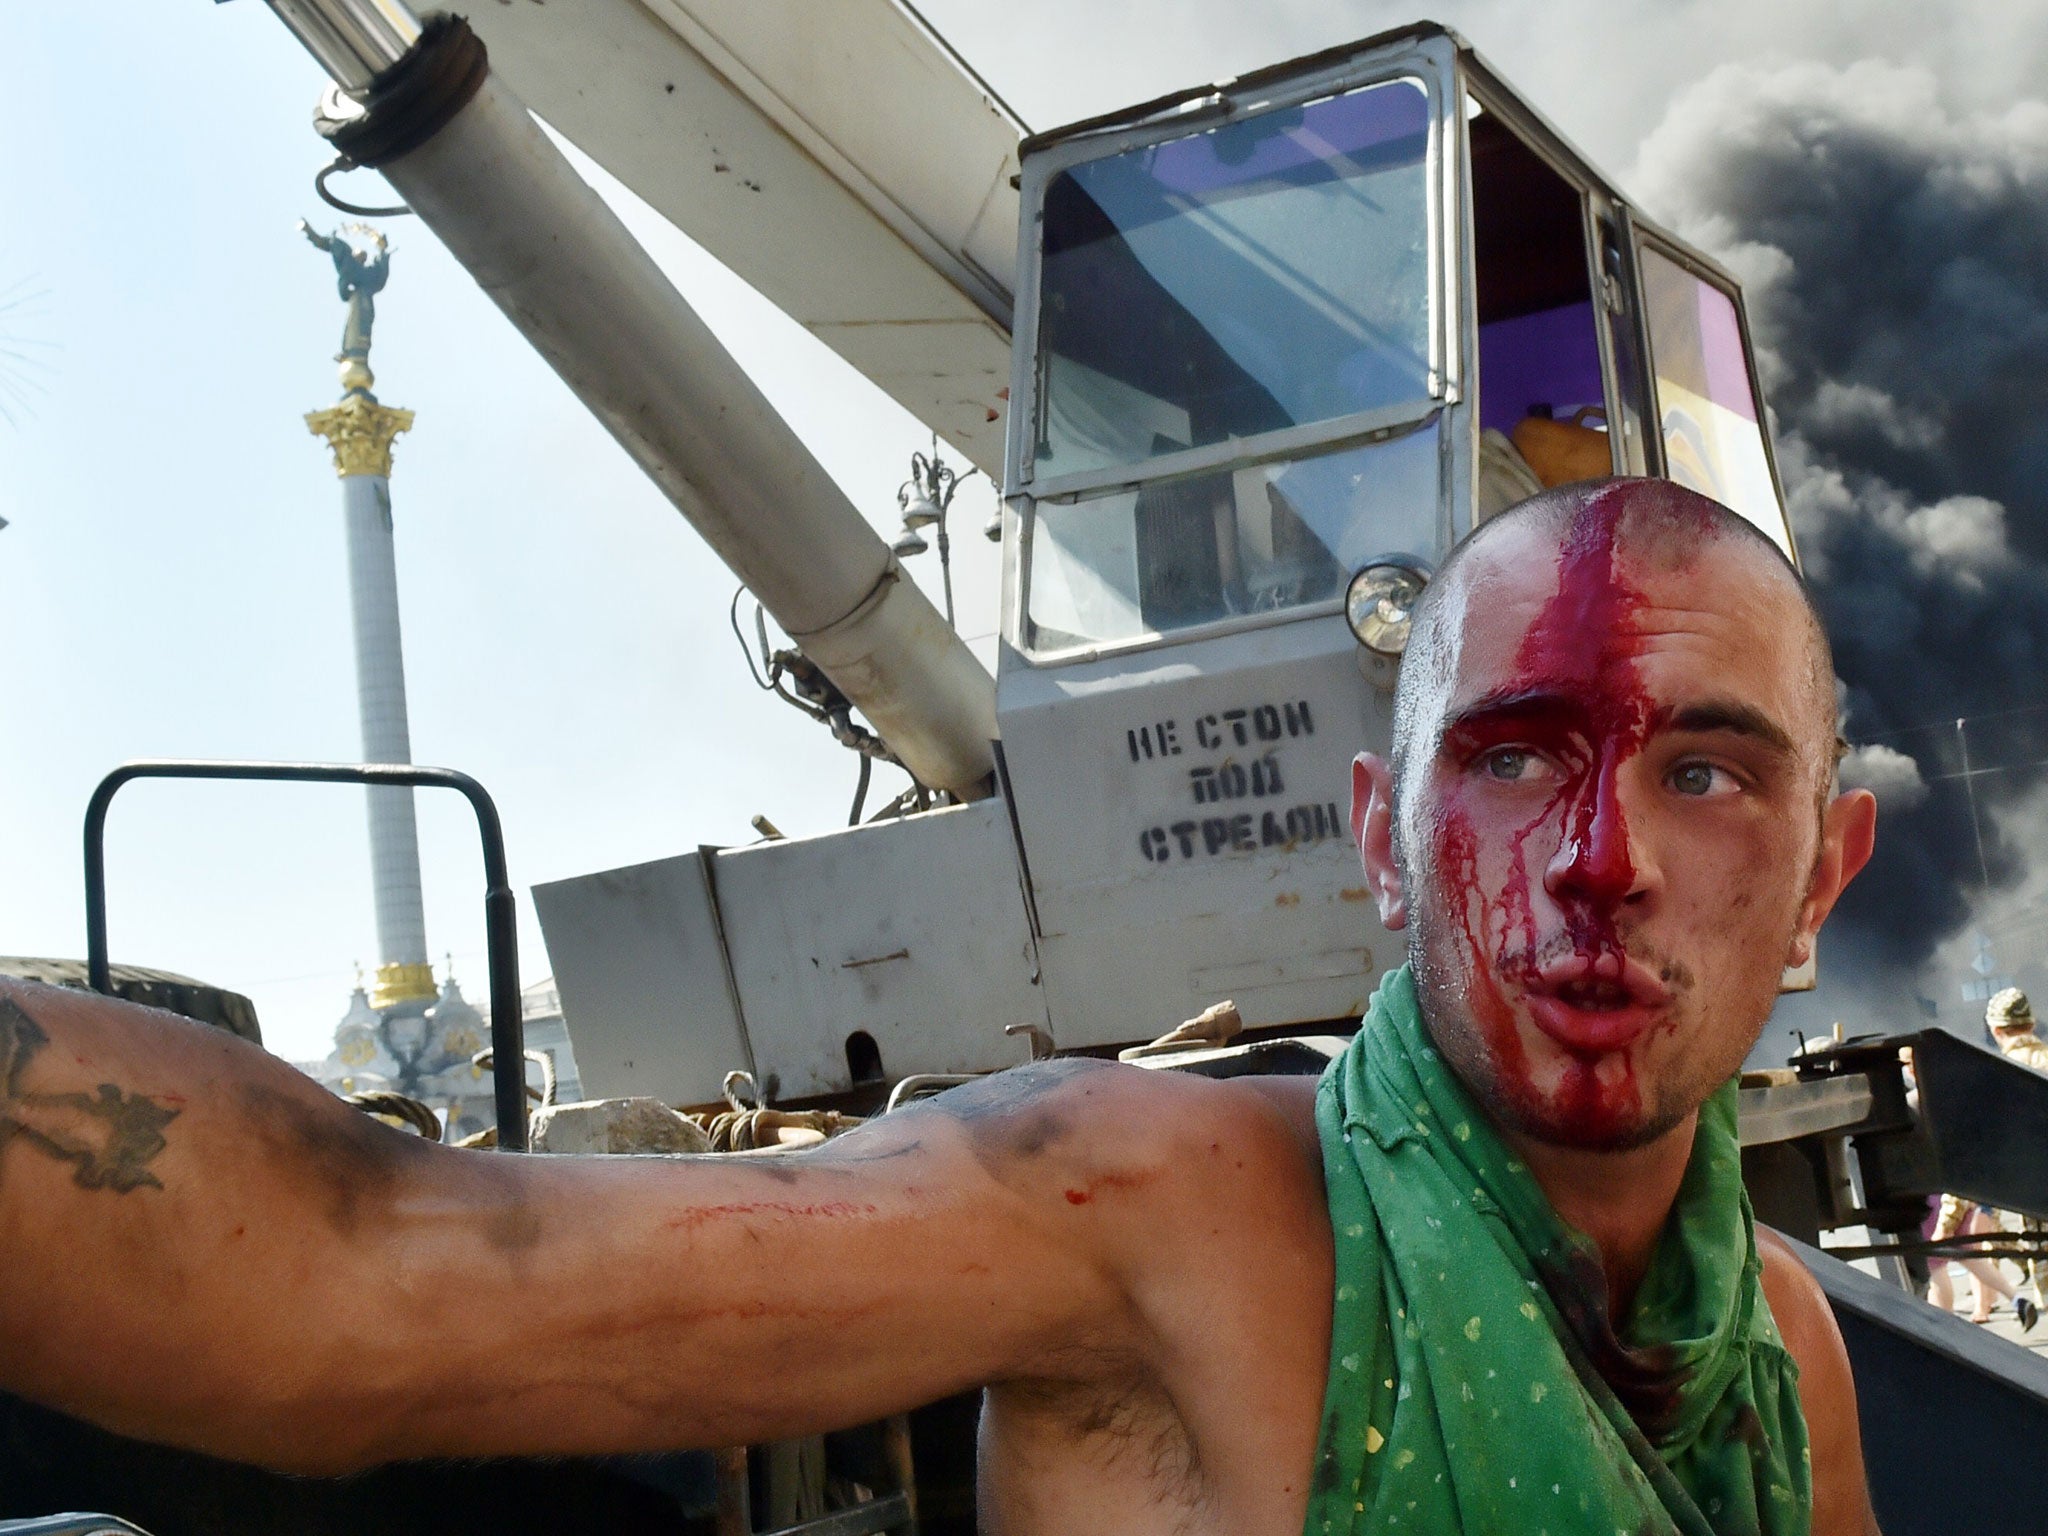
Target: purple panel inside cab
[1549,358]
[1721,342]
[1363,125]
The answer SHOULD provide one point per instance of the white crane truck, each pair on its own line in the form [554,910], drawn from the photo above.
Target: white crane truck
[1246,360]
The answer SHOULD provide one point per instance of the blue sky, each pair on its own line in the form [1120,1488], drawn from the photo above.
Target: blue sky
[173,579]
[173,583]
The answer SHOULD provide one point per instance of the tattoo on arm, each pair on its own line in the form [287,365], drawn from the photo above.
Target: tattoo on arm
[111,1136]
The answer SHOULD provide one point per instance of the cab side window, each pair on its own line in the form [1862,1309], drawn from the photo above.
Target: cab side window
[1706,409]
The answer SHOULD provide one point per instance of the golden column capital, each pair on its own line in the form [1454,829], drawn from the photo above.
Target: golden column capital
[402,983]
[360,432]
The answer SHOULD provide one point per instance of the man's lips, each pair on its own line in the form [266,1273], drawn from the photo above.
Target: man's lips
[1592,1004]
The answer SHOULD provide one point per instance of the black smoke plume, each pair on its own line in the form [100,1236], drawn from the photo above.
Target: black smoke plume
[1895,258]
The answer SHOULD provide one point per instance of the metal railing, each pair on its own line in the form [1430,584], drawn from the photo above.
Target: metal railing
[501,934]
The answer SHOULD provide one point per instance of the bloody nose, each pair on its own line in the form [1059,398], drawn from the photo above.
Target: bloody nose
[1593,862]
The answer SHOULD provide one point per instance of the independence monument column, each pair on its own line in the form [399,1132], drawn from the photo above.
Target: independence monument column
[360,431]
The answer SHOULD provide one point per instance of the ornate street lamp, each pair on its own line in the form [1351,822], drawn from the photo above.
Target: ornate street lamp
[924,500]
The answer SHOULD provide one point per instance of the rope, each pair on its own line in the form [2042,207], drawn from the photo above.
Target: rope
[737,1130]
[398,1107]
[744,1127]
[749,1130]
[545,1094]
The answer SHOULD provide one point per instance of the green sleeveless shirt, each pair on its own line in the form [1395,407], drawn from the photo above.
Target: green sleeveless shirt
[1476,1384]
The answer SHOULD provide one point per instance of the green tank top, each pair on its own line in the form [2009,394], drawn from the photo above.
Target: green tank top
[1476,1384]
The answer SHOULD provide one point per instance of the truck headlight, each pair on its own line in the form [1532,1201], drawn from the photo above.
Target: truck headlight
[1379,605]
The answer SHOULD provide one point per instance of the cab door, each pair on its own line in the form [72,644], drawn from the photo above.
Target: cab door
[1237,383]
[1709,431]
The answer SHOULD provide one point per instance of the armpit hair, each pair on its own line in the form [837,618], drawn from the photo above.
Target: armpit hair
[1118,1417]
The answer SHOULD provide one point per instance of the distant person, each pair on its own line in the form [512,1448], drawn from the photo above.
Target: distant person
[1954,1217]
[2011,1018]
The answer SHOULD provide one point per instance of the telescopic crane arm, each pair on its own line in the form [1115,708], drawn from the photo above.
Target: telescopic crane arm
[419,103]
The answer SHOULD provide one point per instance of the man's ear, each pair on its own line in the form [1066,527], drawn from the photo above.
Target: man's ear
[1848,832]
[1372,829]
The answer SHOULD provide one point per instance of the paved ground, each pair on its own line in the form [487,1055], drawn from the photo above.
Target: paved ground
[2007,1326]
[2003,1322]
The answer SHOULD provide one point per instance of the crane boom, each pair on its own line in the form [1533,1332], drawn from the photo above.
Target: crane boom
[755,127]
[423,105]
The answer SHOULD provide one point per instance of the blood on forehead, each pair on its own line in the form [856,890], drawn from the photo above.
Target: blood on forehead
[1578,654]
[1657,523]
[1589,624]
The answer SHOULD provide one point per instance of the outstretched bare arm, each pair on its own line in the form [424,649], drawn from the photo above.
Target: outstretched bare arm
[204,1247]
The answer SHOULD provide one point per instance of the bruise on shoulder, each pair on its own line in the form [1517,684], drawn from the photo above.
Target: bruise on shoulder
[1021,1114]
[1042,1125]
[357,1167]
[354,1161]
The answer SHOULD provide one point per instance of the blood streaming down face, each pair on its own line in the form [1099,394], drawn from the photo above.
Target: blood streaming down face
[1569,896]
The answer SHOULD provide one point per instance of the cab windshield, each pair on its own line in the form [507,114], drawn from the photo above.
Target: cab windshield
[1269,275]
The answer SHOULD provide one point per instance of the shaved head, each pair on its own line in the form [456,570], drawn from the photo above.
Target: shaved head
[1664,521]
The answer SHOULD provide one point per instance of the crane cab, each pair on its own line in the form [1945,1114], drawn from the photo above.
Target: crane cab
[1342,307]
[1304,328]
[1276,344]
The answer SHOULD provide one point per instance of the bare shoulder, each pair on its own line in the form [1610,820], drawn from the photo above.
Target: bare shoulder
[1799,1306]
[1202,1202]
[1827,1389]
[1083,1133]
[1178,1188]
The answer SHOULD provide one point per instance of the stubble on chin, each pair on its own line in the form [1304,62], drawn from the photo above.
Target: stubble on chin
[1445,979]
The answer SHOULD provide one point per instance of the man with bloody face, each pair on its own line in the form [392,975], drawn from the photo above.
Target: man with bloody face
[1613,827]
[1494,1272]
[1608,828]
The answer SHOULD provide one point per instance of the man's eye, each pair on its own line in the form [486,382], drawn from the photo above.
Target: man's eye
[1702,779]
[1511,765]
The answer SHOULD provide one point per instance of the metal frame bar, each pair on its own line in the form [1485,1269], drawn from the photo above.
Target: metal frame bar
[1984,1245]
[1307,440]
[1637,321]
[1458,442]
[707,856]
[501,931]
